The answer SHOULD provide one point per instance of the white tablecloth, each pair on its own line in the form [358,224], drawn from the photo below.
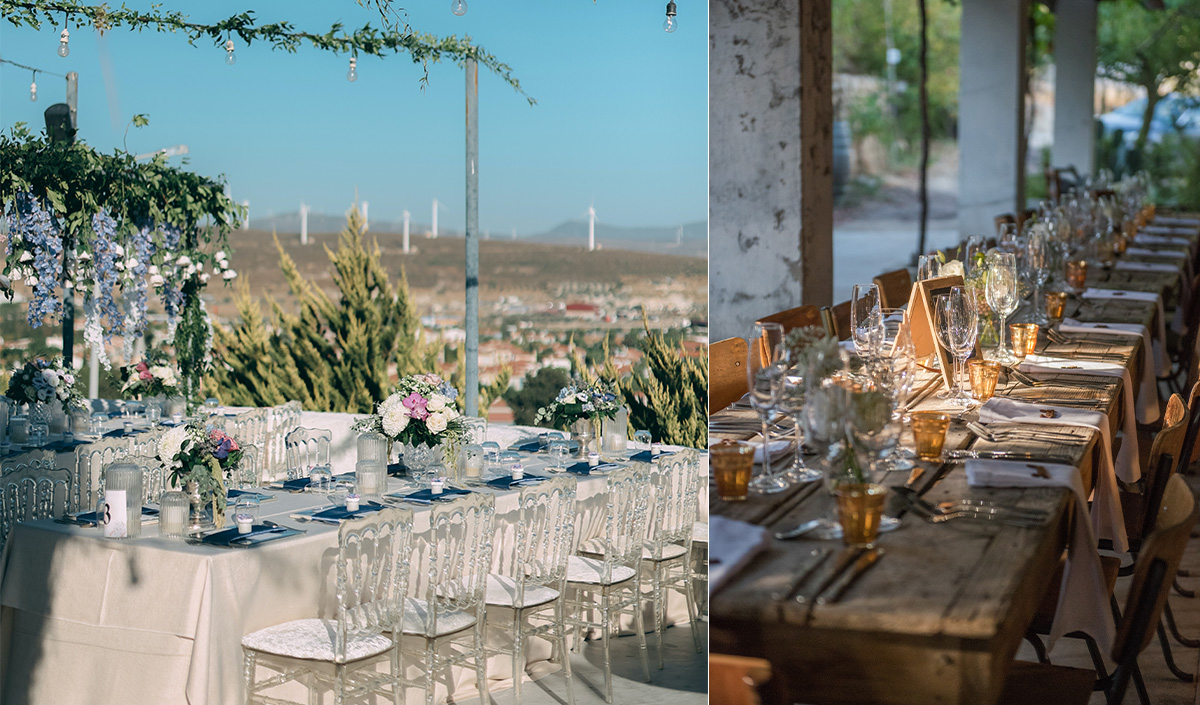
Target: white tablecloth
[156,620]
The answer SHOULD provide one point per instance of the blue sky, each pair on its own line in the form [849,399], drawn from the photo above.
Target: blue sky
[621,117]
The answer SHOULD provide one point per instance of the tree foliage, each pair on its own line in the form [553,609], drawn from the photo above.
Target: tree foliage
[540,388]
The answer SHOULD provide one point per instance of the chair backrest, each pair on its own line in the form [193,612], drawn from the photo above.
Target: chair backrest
[1190,448]
[726,373]
[545,535]
[372,575]
[673,488]
[45,457]
[282,420]
[458,556]
[146,443]
[90,460]
[1190,338]
[1167,442]
[30,491]
[1155,570]
[250,468]
[838,323]
[250,427]
[799,317]
[625,518]
[894,288]
[153,476]
[306,448]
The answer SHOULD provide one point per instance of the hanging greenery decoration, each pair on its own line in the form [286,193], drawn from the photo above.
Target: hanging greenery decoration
[395,37]
[113,229]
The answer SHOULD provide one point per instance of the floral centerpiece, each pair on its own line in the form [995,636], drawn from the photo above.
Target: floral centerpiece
[421,416]
[199,459]
[578,407]
[42,381]
[151,377]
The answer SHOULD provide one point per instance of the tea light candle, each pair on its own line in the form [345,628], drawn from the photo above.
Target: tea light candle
[128,427]
[518,471]
[655,449]
[352,501]
[436,485]
[473,467]
[244,523]
[593,459]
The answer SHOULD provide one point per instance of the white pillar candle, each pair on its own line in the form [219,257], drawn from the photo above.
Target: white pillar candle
[352,502]
[244,523]
[436,485]
[593,459]
[518,471]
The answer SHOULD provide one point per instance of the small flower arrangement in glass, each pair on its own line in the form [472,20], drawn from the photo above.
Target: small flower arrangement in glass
[580,408]
[42,381]
[151,377]
[200,459]
[421,415]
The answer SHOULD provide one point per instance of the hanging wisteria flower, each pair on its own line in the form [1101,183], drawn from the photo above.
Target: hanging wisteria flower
[33,232]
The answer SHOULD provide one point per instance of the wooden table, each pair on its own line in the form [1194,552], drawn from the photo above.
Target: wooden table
[942,615]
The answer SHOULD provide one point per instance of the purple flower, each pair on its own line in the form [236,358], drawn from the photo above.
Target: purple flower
[415,403]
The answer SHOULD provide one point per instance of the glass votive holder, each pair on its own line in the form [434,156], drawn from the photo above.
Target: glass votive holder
[353,502]
[984,375]
[1024,338]
[370,476]
[319,479]
[473,462]
[173,509]
[1077,274]
[1056,305]
[732,463]
[518,471]
[929,433]
[248,505]
[154,414]
[96,425]
[18,429]
[244,522]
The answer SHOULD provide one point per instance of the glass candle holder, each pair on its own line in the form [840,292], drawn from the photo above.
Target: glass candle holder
[18,429]
[173,508]
[370,476]
[1056,305]
[1024,338]
[732,462]
[473,460]
[1077,274]
[372,446]
[127,478]
[929,433]
[984,374]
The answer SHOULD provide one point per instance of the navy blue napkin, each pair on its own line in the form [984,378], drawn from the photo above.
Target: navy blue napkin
[645,456]
[427,495]
[340,513]
[535,447]
[301,483]
[258,534]
[261,496]
[508,483]
[120,433]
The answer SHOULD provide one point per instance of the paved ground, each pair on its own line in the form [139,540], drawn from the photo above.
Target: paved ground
[683,680]
[864,248]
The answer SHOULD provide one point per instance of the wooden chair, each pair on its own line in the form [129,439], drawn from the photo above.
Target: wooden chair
[1004,219]
[837,320]
[1140,508]
[799,317]
[733,680]
[726,373]
[1152,577]
[894,288]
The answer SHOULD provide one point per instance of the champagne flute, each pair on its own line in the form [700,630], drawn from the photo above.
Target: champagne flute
[865,317]
[763,373]
[1037,262]
[1001,293]
[792,401]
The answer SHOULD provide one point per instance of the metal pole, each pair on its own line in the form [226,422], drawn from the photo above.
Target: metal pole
[68,317]
[472,322]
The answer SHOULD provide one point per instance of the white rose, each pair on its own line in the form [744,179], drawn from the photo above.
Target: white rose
[951,268]
[51,377]
[436,423]
[69,379]
[153,269]
[183,261]
[451,413]
[220,254]
[581,397]
[229,274]
[160,371]
[156,280]
[395,420]
[437,402]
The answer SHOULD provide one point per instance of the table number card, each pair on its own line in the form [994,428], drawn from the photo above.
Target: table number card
[113,515]
[921,321]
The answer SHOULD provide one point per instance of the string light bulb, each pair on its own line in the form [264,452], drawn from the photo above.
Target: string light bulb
[63,48]
[33,89]
[352,74]
[229,57]
[458,7]
[670,24]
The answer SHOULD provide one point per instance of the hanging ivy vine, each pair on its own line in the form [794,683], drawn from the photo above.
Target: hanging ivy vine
[114,228]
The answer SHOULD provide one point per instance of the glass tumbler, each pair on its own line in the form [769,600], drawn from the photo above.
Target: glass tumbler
[370,477]
[173,509]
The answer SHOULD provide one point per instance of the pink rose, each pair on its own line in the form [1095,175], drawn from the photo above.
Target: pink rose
[145,375]
[416,403]
[142,367]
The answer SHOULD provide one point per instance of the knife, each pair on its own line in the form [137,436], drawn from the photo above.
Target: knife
[1002,455]
[862,565]
[1022,377]
[845,559]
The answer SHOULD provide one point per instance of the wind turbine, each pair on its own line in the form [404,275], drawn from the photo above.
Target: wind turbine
[407,215]
[436,206]
[591,211]
[303,223]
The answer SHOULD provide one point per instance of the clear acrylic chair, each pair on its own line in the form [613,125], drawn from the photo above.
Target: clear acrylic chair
[90,460]
[668,552]
[250,430]
[30,491]
[536,584]
[45,457]
[456,555]
[609,583]
[281,420]
[372,578]
[146,443]
[250,469]
[307,448]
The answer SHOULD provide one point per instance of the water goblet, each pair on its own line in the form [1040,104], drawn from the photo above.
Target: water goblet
[642,438]
[559,450]
[764,372]
[1002,295]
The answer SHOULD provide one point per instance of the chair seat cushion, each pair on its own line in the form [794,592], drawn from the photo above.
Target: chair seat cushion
[502,592]
[700,532]
[416,619]
[595,547]
[591,570]
[313,639]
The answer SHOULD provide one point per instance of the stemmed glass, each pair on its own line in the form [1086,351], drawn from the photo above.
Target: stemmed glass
[1009,241]
[927,267]
[1002,296]
[974,250]
[957,324]
[825,409]
[895,372]
[865,317]
[1037,264]
[764,371]
[791,400]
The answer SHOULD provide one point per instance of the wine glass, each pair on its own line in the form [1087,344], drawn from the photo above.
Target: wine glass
[865,317]
[1001,293]
[976,247]
[895,374]
[957,325]
[1037,264]
[825,409]
[643,437]
[1009,241]
[927,267]
[791,400]
[763,374]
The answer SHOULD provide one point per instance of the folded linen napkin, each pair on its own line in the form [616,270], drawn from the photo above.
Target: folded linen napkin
[1033,364]
[1083,597]
[1179,221]
[1108,521]
[1147,252]
[1147,401]
[1131,266]
[1147,238]
[1161,331]
[778,449]
[731,545]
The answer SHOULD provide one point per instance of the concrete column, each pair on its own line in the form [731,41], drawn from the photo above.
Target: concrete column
[991,112]
[1075,85]
[770,160]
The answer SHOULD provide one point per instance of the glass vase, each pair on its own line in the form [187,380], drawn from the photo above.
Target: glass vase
[39,424]
[421,460]
[127,478]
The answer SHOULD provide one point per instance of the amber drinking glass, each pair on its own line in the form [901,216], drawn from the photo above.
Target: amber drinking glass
[732,463]
[929,433]
[860,510]
[1077,274]
[1024,338]
[984,375]
[1056,305]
